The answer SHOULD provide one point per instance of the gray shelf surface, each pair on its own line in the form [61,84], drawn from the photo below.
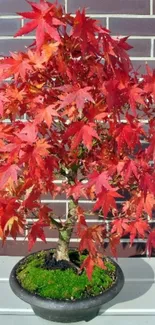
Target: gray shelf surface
[135,304]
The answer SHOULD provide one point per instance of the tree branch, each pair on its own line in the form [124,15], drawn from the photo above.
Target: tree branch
[55,223]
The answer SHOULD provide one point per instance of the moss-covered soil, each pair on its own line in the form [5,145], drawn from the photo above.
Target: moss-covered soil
[63,284]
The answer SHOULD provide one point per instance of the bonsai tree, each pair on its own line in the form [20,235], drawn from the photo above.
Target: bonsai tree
[76,110]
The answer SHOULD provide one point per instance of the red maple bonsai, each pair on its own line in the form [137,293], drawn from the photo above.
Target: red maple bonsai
[85,112]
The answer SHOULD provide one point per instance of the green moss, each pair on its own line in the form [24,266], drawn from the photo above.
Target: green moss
[58,284]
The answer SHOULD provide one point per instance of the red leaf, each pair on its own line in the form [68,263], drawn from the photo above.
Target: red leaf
[84,29]
[147,184]
[137,228]
[75,94]
[92,239]
[82,133]
[143,203]
[100,181]
[28,133]
[43,21]
[135,96]
[76,191]
[149,204]
[17,65]
[149,86]
[28,27]
[106,200]
[86,135]
[41,148]
[150,151]
[151,242]
[81,224]
[11,223]
[122,43]
[86,241]
[128,135]
[44,215]
[1,108]
[112,93]
[3,100]
[8,172]
[31,198]
[99,262]
[46,114]
[35,232]
[130,169]
[88,264]
[119,226]
[14,226]
[114,241]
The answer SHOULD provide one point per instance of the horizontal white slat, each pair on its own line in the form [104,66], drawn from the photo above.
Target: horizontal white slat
[108,320]
[118,16]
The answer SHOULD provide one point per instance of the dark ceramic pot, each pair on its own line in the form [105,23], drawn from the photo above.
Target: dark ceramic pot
[66,311]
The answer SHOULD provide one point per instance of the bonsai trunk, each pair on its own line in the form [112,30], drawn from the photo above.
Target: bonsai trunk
[65,232]
[62,250]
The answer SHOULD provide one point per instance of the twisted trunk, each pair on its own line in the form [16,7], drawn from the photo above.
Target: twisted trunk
[65,233]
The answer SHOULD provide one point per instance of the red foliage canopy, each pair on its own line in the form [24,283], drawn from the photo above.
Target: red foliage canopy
[87,115]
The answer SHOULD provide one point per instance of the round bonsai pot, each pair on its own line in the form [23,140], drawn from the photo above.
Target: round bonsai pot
[62,310]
